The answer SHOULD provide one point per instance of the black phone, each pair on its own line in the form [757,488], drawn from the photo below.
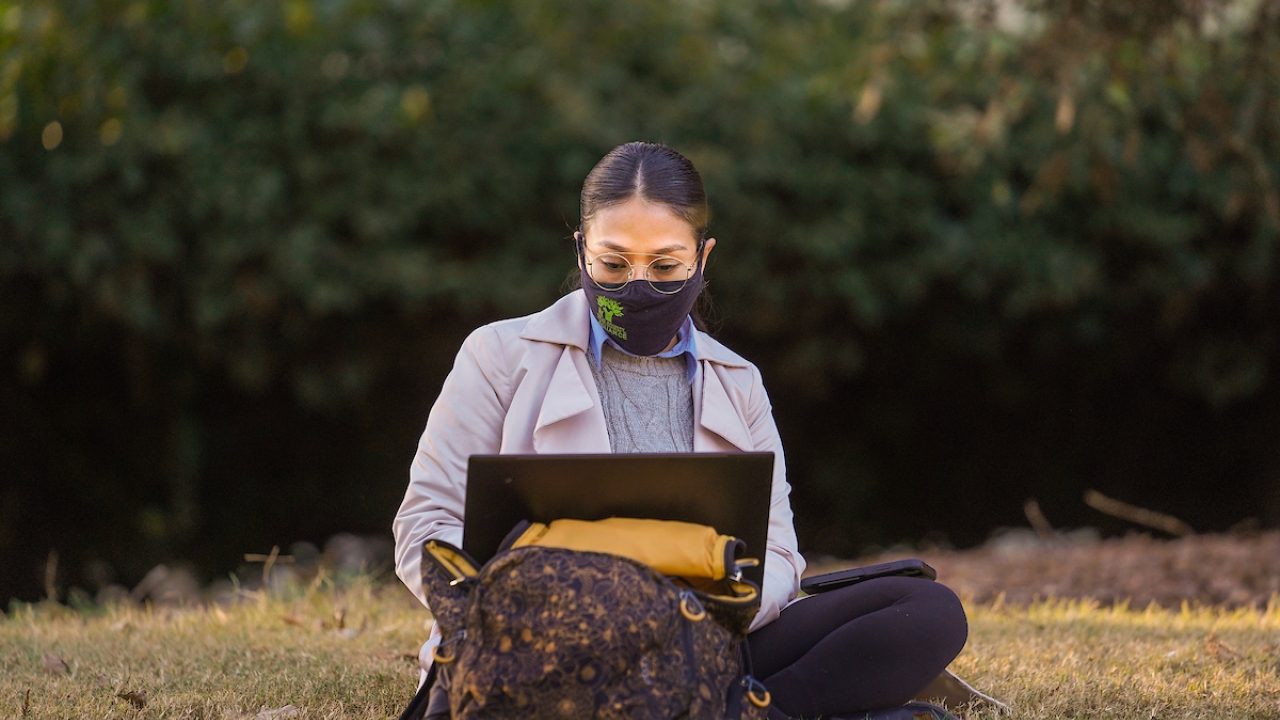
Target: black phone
[911,567]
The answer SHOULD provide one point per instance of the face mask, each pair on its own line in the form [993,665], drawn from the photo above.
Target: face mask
[637,317]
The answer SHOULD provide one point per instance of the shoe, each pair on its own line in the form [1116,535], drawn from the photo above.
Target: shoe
[914,710]
[925,711]
[953,693]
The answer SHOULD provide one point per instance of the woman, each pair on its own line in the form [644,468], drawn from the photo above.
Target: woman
[620,366]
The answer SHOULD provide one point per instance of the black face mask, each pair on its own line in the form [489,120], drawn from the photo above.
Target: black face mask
[637,317]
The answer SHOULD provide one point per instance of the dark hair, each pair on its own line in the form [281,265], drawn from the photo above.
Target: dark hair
[659,175]
[653,172]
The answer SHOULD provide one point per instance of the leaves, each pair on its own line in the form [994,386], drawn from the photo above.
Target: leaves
[399,180]
[55,665]
[136,698]
[1220,650]
[397,195]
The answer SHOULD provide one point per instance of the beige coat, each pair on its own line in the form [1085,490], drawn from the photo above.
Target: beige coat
[524,386]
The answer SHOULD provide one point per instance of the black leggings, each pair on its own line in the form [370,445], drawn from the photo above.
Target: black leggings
[863,647]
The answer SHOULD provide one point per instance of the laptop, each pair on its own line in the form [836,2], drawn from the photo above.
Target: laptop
[728,491]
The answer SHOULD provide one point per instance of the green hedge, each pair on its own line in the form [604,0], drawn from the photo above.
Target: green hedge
[303,205]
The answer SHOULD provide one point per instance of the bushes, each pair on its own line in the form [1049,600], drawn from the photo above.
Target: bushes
[296,210]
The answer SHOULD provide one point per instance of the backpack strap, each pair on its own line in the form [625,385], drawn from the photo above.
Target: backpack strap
[417,709]
[447,576]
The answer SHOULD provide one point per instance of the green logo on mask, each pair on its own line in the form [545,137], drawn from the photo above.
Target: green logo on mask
[606,310]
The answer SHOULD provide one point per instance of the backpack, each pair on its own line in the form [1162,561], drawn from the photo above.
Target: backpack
[542,632]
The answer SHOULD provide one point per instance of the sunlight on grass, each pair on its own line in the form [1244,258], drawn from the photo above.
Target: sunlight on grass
[333,653]
[349,653]
[1073,659]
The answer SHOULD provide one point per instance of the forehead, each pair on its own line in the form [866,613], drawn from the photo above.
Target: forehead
[637,226]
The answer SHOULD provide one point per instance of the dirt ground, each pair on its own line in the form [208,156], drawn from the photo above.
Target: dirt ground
[1201,570]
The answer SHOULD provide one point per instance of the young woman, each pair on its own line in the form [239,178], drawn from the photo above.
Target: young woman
[620,366]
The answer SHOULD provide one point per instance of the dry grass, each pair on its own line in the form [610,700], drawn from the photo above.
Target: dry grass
[330,653]
[1074,659]
[341,653]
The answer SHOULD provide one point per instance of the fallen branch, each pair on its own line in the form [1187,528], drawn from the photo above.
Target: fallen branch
[51,576]
[268,561]
[1038,521]
[1135,514]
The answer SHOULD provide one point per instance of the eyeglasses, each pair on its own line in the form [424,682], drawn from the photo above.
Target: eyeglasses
[664,273]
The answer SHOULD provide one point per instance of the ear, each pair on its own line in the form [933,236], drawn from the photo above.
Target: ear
[707,245]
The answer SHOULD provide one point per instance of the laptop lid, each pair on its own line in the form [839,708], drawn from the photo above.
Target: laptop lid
[728,491]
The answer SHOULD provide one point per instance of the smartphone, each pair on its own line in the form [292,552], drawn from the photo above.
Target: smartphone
[911,567]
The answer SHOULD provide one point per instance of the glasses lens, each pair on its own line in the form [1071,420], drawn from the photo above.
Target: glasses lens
[668,275]
[609,271]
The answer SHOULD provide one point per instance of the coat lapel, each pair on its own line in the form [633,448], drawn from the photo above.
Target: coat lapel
[570,420]
[719,416]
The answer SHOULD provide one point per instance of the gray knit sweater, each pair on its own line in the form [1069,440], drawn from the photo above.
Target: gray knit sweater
[648,402]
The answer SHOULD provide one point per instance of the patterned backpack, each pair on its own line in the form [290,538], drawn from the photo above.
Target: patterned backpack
[544,630]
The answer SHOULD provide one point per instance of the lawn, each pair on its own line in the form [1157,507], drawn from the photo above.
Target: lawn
[1072,659]
[349,653]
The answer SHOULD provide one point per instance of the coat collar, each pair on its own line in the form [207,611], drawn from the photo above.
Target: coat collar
[568,322]
[571,419]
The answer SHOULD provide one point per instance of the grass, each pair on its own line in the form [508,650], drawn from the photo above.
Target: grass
[348,653]
[1073,659]
[332,653]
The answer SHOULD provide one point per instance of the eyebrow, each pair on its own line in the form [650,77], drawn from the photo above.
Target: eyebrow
[661,251]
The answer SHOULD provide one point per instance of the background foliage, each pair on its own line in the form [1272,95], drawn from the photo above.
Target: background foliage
[980,251]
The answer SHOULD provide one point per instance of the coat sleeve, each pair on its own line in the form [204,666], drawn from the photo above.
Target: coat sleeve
[466,420]
[783,564]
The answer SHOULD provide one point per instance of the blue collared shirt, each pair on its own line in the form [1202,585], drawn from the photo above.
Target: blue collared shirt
[684,344]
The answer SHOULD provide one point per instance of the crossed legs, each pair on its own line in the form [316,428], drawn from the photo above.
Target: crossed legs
[862,647]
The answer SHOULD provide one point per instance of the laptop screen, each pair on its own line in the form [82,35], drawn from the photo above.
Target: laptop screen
[728,491]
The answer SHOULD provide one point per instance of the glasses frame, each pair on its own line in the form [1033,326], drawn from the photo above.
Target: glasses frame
[631,267]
